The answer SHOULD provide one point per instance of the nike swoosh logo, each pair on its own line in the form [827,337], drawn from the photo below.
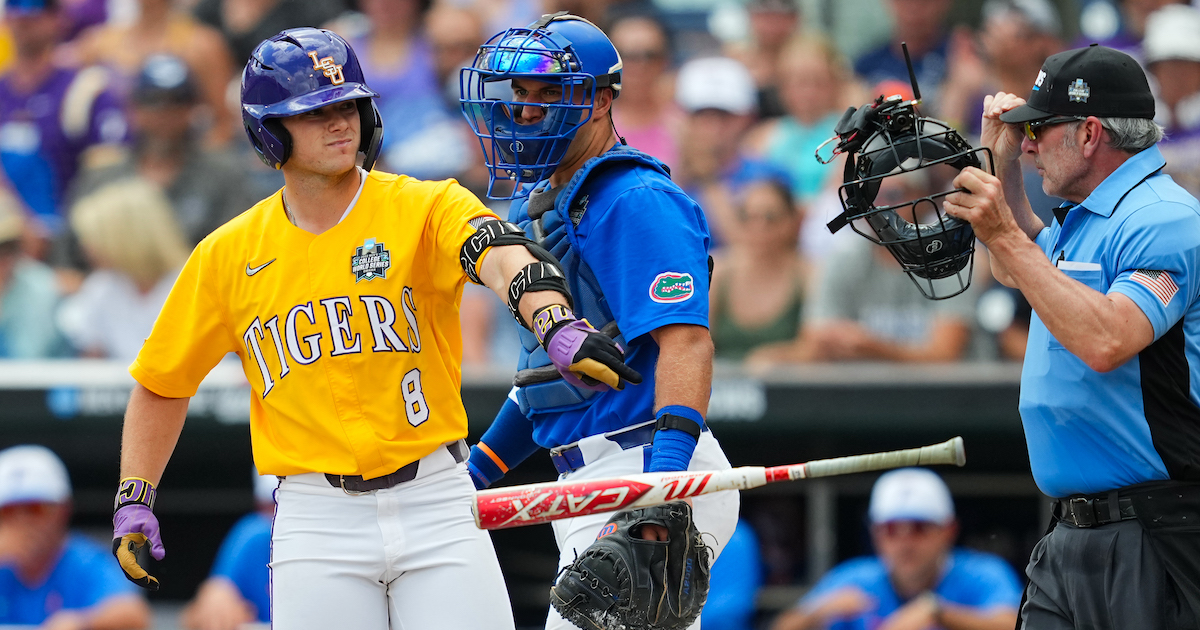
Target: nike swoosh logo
[250,271]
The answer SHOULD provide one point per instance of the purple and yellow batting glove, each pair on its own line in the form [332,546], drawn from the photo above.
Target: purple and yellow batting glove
[584,356]
[135,530]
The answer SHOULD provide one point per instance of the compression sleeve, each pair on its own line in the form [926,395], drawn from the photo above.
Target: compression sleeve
[507,443]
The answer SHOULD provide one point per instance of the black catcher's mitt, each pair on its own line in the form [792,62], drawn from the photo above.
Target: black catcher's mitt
[622,582]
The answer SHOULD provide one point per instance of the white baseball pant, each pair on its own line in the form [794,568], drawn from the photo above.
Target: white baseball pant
[716,515]
[407,558]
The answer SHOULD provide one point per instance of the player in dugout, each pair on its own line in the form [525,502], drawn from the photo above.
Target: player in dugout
[635,250]
[238,589]
[340,295]
[918,579]
[1108,390]
[49,577]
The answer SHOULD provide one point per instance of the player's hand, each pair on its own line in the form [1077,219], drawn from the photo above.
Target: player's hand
[65,620]
[135,531]
[584,356]
[218,606]
[918,614]
[843,604]
[1002,138]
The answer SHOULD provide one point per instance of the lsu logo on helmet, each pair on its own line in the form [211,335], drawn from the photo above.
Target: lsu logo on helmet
[328,68]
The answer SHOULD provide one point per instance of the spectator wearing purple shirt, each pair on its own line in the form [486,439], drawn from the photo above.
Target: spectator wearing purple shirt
[424,138]
[718,98]
[51,119]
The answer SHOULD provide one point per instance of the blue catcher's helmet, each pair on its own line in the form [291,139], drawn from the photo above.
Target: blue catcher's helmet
[297,71]
[558,48]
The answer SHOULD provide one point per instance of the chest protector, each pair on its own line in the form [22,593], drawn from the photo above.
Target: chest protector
[542,389]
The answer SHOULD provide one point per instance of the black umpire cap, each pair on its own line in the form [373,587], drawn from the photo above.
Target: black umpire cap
[1092,81]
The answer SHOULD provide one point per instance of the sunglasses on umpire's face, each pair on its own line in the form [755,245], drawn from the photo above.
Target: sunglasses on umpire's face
[1031,127]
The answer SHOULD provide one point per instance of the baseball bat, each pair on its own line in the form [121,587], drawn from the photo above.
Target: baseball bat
[517,506]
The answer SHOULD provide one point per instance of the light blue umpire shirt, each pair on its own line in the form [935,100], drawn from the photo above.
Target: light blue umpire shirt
[1137,234]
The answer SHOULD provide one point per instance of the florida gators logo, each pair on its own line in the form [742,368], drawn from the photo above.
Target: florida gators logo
[672,286]
[608,529]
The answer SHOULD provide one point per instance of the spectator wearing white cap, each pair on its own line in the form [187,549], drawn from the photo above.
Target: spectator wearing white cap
[237,591]
[718,98]
[49,577]
[1172,52]
[918,580]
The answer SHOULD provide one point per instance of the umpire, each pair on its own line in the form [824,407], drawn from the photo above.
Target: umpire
[1111,415]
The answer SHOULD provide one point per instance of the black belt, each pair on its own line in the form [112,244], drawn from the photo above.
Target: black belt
[1094,510]
[356,484]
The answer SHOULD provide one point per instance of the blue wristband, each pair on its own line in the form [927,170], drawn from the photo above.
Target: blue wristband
[672,448]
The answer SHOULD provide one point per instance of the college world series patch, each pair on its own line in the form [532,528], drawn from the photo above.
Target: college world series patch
[370,261]
[672,286]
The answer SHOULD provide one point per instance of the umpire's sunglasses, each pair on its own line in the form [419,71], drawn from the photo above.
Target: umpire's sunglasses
[1031,127]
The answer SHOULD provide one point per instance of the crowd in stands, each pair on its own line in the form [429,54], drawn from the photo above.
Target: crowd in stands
[121,149]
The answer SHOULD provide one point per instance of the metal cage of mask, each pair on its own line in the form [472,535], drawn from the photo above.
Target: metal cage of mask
[525,153]
[938,255]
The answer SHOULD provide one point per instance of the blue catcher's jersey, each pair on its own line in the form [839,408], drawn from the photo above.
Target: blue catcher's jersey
[634,248]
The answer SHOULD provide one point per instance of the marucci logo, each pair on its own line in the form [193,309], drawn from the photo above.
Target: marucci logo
[250,271]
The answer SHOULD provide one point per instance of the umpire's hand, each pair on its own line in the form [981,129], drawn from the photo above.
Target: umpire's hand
[980,201]
[584,356]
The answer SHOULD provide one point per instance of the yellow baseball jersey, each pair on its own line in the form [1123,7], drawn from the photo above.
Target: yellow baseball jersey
[350,338]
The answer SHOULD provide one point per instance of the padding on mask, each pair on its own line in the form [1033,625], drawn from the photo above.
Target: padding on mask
[894,184]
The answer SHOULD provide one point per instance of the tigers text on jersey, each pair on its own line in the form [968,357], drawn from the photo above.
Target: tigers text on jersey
[350,338]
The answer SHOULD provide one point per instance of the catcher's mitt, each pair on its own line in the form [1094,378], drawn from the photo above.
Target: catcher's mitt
[622,582]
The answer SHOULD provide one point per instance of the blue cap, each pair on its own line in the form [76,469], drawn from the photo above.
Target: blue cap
[19,7]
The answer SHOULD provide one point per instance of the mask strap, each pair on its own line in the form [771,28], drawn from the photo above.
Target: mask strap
[547,18]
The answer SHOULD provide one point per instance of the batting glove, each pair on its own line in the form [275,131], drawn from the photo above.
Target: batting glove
[135,531]
[584,356]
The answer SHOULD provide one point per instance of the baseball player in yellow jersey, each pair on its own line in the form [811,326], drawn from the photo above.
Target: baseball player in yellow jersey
[340,295]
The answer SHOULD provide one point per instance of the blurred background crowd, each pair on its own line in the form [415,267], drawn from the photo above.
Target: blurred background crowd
[122,147]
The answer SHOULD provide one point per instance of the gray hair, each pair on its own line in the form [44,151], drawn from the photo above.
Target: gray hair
[1127,134]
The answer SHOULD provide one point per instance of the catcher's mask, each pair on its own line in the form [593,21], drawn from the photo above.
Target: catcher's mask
[887,138]
[564,50]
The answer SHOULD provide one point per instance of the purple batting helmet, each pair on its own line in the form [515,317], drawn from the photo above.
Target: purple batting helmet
[297,71]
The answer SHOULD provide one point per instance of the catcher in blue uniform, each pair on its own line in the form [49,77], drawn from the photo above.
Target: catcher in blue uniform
[634,249]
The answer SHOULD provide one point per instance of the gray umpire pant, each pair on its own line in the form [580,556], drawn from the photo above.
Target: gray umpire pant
[1100,578]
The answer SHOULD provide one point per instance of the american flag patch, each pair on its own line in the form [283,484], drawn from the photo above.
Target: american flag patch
[1159,283]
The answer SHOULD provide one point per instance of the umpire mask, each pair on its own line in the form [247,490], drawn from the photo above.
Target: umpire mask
[888,139]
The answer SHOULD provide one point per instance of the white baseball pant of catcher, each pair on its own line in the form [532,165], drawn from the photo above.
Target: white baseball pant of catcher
[407,557]
[716,515]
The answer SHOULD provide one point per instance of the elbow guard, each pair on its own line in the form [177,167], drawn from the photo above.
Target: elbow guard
[545,275]
[490,233]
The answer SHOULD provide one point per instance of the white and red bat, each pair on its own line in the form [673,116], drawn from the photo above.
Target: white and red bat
[531,504]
